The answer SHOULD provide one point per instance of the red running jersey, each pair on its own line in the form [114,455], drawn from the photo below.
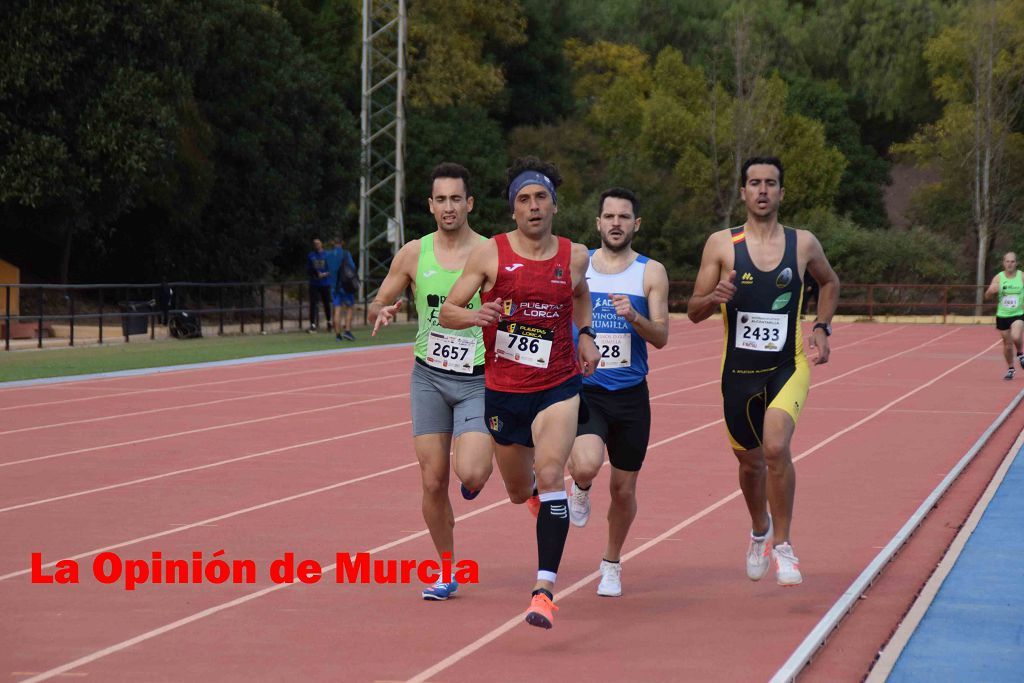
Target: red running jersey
[531,347]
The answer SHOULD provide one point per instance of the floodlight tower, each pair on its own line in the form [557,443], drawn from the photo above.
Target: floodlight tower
[382,172]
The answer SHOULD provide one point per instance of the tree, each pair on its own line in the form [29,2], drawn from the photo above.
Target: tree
[860,190]
[186,140]
[538,82]
[283,150]
[670,132]
[90,94]
[449,50]
[978,70]
[466,135]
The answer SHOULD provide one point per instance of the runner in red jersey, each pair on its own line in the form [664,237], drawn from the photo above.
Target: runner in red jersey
[531,347]
[533,286]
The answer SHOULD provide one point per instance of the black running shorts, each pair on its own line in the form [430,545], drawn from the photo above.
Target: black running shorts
[622,419]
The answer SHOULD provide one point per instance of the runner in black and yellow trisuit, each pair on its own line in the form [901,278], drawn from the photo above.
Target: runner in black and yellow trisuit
[754,275]
[1009,287]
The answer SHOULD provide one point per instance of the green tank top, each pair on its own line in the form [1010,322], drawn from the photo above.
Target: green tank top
[1011,302]
[453,350]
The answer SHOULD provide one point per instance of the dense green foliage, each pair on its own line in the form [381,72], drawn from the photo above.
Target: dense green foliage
[212,139]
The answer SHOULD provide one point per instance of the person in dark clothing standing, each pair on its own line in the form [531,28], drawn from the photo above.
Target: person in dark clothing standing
[319,284]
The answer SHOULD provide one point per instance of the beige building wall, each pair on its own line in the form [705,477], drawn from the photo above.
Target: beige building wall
[10,275]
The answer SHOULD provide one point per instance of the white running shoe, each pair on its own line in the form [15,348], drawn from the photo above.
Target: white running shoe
[759,554]
[579,505]
[611,579]
[787,566]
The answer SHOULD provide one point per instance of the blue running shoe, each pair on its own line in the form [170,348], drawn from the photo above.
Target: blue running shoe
[469,495]
[441,590]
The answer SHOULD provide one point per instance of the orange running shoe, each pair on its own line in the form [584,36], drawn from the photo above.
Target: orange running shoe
[534,504]
[541,612]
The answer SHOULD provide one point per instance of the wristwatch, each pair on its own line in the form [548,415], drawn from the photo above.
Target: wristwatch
[823,326]
[589,332]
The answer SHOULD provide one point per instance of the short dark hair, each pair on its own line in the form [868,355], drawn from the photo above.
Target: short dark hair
[450,169]
[531,163]
[752,161]
[620,193]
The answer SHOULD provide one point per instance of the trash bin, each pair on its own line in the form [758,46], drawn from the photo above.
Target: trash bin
[135,317]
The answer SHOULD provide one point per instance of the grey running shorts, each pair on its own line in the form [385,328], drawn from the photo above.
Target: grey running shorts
[446,403]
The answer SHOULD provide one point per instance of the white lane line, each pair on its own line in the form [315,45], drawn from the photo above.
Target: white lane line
[195,385]
[198,468]
[718,381]
[202,404]
[803,653]
[109,487]
[518,619]
[892,650]
[99,654]
[210,521]
[273,361]
[184,621]
[276,359]
[200,430]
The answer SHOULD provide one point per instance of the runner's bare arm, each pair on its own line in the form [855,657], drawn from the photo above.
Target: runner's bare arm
[588,356]
[655,328]
[711,289]
[401,274]
[828,295]
[993,287]
[821,270]
[480,270]
[582,311]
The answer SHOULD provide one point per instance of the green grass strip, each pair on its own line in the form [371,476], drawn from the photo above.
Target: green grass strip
[62,362]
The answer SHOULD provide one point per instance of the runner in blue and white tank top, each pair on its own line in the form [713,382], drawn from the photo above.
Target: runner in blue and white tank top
[623,351]
[629,295]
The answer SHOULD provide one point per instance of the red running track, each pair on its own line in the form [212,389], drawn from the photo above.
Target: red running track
[313,456]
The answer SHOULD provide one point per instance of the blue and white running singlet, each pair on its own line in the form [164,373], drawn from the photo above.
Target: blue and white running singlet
[623,351]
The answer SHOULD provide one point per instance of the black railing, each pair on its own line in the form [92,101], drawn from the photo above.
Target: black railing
[871,301]
[140,307]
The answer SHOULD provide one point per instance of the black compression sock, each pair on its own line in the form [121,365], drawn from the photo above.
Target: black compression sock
[552,530]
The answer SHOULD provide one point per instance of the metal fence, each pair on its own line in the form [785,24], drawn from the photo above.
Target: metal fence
[133,309]
[877,300]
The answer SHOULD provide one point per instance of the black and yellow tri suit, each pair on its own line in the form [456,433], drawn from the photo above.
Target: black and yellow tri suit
[763,363]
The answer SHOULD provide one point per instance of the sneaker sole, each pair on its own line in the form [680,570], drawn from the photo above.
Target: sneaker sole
[579,524]
[438,598]
[608,594]
[788,584]
[537,619]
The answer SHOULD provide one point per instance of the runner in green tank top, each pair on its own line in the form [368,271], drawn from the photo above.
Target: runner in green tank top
[1008,286]
[439,347]
[447,388]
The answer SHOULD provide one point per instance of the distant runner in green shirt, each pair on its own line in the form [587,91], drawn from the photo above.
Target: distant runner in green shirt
[447,388]
[1008,286]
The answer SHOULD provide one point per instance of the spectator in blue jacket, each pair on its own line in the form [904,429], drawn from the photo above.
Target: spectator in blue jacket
[344,293]
[319,285]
